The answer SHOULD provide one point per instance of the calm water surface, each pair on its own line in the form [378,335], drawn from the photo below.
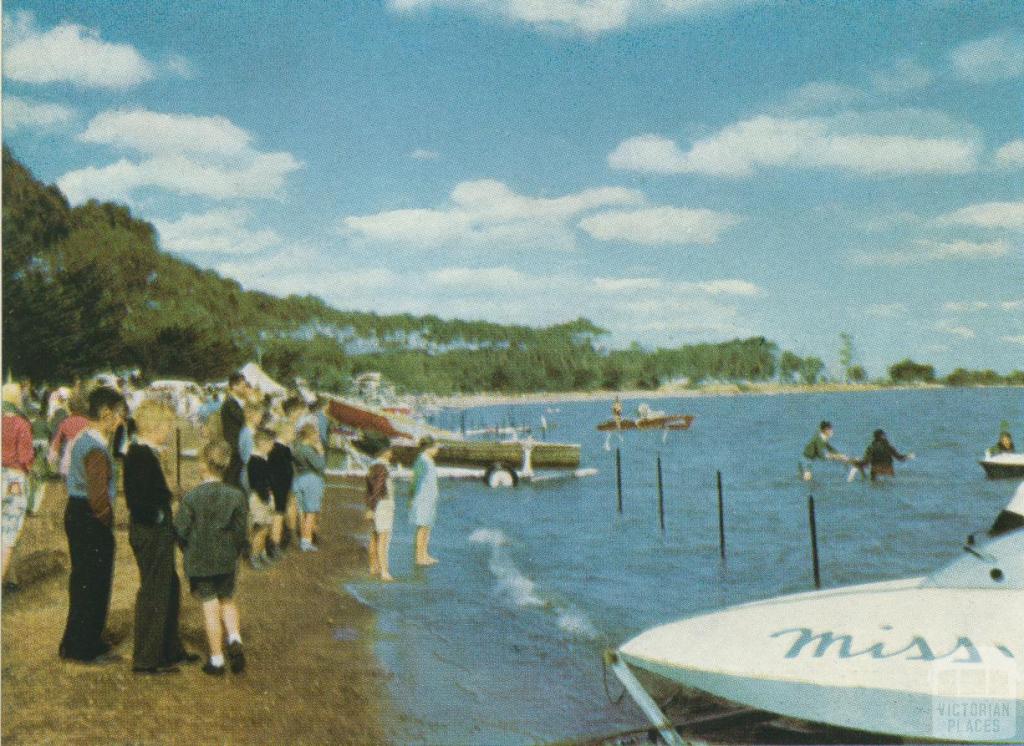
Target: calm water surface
[501,642]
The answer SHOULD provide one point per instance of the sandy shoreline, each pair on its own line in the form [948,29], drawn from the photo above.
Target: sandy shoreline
[462,401]
[312,675]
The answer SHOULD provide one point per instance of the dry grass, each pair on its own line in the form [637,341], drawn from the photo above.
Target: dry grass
[301,686]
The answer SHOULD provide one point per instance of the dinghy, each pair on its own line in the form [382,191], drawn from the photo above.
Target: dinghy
[1003,465]
[936,657]
[666,422]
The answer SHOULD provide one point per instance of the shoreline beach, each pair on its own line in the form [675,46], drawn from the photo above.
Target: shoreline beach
[462,401]
[312,675]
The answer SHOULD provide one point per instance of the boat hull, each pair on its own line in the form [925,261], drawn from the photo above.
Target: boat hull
[508,455]
[996,469]
[674,422]
[877,658]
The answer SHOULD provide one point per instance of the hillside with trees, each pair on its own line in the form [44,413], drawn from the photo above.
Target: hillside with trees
[87,289]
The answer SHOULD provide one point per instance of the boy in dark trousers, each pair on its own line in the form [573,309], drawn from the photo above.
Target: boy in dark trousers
[212,527]
[158,647]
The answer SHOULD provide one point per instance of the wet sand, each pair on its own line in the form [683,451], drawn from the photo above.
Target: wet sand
[311,676]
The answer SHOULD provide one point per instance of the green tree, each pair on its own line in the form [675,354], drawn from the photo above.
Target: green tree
[790,365]
[907,371]
[811,369]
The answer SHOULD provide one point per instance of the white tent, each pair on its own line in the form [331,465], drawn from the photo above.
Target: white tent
[259,380]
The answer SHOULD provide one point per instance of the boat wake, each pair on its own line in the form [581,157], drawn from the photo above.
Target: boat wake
[519,591]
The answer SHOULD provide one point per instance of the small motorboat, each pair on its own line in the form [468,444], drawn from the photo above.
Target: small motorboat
[935,657]
[662,422]
[1003,465]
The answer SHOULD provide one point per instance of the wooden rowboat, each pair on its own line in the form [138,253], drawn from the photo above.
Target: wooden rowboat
[508,455]
[668,422]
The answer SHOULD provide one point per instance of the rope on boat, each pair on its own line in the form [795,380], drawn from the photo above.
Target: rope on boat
[607,692]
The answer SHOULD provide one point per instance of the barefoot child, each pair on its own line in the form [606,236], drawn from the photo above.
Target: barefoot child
[261,509]
[380,504]
[211,526]
[424,501]
[310,464]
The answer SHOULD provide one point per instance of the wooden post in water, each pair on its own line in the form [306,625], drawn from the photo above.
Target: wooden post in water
[618,478]
[462,423]
[661,498]
[814,541]
[177,450]
[721,518]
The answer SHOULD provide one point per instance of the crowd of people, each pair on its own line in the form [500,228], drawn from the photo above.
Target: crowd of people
[262,468]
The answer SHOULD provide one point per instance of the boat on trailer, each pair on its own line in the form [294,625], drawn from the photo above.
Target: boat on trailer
[935,657]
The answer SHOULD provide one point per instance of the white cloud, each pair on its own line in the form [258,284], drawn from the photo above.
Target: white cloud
[488,212]
[215,232]
[886,310]
[1005,215]
[1011,155]
[1012,305]
[261,177]
[205,156]
[902,76]
[957,330]
[659,225]
[819,96]
[926,250]
[964,306]
[666,312]
[156,133]
[996,57]
[875,145]
[69,53]
[587,17]
[1014,340]
[422,154]
[24,113]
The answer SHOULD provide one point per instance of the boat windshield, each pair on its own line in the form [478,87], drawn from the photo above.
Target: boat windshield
[995,564]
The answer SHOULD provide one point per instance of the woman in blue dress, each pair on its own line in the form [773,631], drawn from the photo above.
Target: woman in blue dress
[425,494]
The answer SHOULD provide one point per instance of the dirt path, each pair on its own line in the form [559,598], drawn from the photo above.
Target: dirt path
[311,675]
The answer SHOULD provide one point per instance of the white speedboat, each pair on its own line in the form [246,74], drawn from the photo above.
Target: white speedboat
[936,657]
[1003,465]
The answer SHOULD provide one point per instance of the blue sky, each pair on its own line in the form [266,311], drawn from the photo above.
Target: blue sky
[675,170]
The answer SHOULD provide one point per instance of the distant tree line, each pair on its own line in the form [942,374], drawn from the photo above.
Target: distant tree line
[87,289]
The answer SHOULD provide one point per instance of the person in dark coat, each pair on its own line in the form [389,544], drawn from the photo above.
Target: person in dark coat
[158,647]
[232,420]
[879,456]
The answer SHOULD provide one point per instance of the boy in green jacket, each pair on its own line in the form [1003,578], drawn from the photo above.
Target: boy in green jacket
[211,525]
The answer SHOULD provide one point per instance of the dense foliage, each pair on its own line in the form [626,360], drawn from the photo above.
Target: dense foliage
[87,289]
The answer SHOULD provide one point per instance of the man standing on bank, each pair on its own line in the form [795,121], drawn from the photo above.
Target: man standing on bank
[232,420]
[88,523]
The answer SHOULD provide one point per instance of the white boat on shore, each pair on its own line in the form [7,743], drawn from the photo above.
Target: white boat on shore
[936,657]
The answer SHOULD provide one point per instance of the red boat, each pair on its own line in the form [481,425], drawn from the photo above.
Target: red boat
[363,419]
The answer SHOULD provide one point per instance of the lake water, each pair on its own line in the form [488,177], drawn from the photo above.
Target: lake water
[501,643]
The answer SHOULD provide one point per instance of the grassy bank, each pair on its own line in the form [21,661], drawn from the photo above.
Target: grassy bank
[311,679]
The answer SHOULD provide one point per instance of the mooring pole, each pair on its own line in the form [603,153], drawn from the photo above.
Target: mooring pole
[721,518]
[462,423]
[661,498]
[177,450]
[618,478]
[814,541]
